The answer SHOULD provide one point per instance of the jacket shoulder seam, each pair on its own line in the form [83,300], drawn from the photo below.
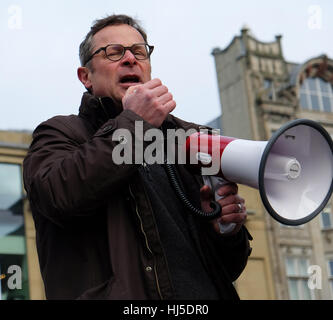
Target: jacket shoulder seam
[66,122]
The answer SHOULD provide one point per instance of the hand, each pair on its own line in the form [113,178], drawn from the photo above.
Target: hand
[152,101]
[233,208]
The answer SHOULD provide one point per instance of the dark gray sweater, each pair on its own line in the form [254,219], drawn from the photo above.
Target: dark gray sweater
[179,238]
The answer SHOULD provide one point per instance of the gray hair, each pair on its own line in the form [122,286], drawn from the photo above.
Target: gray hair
[87,44]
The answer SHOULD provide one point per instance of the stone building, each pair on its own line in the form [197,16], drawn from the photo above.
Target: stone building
[19,268]
[259,92]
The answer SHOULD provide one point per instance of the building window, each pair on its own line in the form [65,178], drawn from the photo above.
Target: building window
[297,274]
[270,88]
[330,274]
[13,263]
[326,218]
[316,94]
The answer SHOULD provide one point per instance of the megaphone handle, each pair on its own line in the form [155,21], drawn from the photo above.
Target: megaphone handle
[215,183]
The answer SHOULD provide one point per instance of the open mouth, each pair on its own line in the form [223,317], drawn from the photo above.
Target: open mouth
[130,79]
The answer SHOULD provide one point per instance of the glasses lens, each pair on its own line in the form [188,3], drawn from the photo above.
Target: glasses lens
[140,51]
[114,52]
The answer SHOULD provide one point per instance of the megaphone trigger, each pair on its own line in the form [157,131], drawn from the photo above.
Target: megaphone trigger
[215,183]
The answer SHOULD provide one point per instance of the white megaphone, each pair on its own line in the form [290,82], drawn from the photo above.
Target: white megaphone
[293,170]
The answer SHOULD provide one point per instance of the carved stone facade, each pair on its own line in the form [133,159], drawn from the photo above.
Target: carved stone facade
[259,92]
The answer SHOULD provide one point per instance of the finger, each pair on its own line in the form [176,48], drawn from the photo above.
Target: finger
[165,98]
[151,84]
[170,106]
[132,89]
[206,196]
[159,90]
[231,199]
[206,193]
[226,189]
[233,208]
[233,218]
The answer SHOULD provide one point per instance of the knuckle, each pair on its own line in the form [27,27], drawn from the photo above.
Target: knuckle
[160,110]
[232,188]
[158,81]
[238,199]
[156,105]
[149,95]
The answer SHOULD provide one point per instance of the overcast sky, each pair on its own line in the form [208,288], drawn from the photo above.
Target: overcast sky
[40,40]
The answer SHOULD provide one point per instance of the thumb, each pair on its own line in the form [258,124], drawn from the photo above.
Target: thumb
[131,90]
[206,196]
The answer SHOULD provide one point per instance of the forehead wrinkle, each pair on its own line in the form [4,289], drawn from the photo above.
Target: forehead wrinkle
[117,34]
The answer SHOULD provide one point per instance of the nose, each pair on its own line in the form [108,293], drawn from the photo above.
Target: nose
[128,58]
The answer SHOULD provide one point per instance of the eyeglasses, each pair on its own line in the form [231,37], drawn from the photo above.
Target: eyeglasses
[115,52]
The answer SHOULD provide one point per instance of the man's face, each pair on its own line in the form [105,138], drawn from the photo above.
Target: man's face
[112,78]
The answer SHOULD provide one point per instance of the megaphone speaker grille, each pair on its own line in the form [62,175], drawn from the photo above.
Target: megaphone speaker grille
[295,173]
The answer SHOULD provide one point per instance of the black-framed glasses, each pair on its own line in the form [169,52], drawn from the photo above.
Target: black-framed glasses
[115,52]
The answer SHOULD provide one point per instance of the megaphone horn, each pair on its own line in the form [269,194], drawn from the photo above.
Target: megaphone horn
[293,170]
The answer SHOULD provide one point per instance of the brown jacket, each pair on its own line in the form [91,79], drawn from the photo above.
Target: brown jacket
[95,230]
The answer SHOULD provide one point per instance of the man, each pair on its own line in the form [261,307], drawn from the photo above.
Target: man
[118,231]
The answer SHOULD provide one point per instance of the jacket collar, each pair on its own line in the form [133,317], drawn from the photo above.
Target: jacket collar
[98,110]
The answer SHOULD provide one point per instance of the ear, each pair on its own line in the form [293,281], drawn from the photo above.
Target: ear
[83,74]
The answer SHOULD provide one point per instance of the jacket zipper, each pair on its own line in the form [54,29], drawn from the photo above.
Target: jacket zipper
[146,240]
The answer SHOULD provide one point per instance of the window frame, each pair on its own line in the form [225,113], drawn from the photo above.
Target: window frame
[330,215]
[20,259]
[317,92]
[298,276]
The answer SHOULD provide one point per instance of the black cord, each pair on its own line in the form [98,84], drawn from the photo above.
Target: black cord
[170,170]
